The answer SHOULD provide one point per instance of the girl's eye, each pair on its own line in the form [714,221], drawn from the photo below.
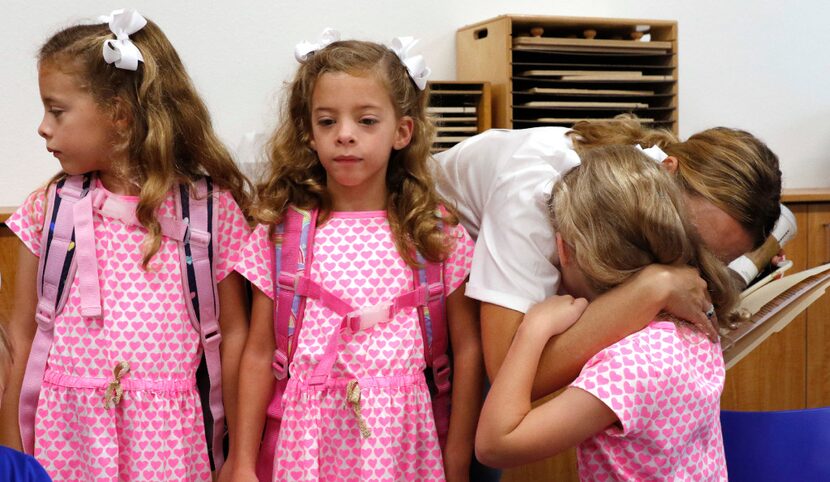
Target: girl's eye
[369,121]
[325,122]
[55,112]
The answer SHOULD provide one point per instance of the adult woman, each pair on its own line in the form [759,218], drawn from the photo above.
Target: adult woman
[499,182]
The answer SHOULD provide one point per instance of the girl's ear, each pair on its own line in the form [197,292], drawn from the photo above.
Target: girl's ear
[562,250]
[404,133]
[670,164]
[122,115]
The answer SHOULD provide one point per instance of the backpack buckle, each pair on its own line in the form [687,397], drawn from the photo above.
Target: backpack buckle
[287,281]
[441,373]
[196,237]
[43,316]
[279,365]
[368,317]
[435,291]
[211,338]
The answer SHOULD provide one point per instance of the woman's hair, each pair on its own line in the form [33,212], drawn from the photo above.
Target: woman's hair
[730,168]
[170,139]
[621,212]
[297,177]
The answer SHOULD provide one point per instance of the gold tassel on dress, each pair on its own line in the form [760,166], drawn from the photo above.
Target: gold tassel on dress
[114,389]
[353,397]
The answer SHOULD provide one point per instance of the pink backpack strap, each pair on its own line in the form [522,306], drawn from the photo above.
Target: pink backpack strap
[56,268]
[436,341]
[291,258]
[196,253]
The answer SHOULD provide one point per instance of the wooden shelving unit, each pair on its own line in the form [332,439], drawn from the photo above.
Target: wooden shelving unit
[459,110]
[559,70]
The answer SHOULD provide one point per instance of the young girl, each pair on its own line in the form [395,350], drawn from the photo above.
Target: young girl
[119,398]
[355,146]
[647,407]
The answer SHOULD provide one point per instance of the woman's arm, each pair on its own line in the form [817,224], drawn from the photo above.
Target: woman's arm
[22,328]
[256,386]
[609,318]
[510,431]
[233,324]
[468,377]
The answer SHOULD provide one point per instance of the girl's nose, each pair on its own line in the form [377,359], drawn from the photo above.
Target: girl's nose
[43,129]
[345,135]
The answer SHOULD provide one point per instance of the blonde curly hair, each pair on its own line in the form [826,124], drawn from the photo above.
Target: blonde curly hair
[296,176]
[170,139]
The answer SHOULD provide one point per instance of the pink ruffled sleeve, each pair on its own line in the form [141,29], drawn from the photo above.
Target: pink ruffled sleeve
[255,261]
[231,233]
[27,222]
[457,265]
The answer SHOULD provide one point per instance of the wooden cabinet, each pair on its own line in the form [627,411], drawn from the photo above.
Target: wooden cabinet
[459,110]
[8,265]
[558,70]
[791,369]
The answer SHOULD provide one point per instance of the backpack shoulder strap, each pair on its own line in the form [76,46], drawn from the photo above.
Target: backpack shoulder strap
[196,255]
[435,331]
[292,258]
[55,271]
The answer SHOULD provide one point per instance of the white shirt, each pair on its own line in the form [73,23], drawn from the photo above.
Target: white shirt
[500,181]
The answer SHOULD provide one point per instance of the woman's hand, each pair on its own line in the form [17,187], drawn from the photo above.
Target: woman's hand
[686,295]
[554,315]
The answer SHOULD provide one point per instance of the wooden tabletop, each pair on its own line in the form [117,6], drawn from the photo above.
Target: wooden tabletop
[810,194]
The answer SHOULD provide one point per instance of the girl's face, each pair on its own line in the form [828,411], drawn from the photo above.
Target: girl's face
[354,130]
[77,131]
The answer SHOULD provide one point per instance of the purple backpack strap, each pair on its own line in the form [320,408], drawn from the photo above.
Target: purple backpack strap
[198,278]
[436,341]
[56,268]
[290,258]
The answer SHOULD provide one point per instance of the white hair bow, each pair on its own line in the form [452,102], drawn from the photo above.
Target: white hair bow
[654,152]
[121,50]
[415,64]
[304,49]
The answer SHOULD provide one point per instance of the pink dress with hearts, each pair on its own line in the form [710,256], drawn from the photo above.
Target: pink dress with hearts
[355,258]
[156,431]
[664,384]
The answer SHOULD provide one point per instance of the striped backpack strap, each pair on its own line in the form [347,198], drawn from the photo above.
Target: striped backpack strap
[435,333]
[196,255]
[291,258]
[56,269]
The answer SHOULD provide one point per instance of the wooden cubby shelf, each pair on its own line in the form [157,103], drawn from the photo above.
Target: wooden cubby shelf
[559,70]
[459,110]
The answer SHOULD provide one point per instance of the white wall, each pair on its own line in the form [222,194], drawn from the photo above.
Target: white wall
[760,65]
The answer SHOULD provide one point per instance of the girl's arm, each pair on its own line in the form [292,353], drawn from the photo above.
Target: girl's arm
[510,431]
[468,377]
[22,327]
[256,385]
[233,324]
[610,318]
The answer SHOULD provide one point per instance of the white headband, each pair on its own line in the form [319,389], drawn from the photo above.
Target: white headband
[304,49]
[415,64]
[121,50]
[654,152]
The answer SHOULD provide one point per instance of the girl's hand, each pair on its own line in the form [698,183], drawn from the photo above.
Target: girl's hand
[687,297]
[554,315]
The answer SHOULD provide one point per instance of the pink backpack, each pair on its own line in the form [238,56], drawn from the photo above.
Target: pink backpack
[192,228]
[293,286]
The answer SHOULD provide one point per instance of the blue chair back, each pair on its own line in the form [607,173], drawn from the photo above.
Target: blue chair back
[791,445]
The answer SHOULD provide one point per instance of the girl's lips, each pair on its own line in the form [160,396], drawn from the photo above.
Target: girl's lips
[347,159]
